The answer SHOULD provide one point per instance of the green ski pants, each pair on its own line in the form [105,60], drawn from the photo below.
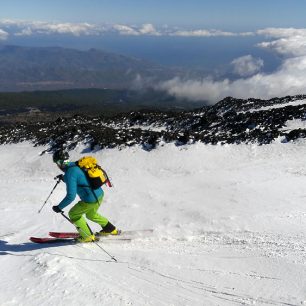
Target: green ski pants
[90,210]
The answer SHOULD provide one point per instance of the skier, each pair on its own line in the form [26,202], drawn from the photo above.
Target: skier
[77,184]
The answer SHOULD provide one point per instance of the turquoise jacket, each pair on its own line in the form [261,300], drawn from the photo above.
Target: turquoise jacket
[77,184]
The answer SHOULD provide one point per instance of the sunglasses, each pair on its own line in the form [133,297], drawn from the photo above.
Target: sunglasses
[61,162]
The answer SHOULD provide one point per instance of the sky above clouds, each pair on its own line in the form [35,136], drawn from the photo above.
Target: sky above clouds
[240,15]
[279,25]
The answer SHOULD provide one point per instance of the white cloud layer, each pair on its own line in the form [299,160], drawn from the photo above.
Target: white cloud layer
[247,65]
[289,42]
[209,33]
[282,32]
[145,29]
[3,35]
[27,28]
[67,28]
[289,79]
[149,29]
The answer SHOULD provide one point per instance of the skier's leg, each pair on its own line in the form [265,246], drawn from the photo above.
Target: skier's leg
[94,216]
[76,216]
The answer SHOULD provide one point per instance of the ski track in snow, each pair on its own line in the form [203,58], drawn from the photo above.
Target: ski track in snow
[229,228]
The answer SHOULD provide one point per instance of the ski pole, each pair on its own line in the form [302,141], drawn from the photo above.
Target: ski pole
[112,257]
[49,195]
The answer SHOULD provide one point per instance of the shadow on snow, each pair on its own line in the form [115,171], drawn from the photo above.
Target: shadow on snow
[28,246]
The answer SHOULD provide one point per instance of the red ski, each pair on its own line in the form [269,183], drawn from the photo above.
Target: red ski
[64,234]
[76,235]
[70,237]
[127,233]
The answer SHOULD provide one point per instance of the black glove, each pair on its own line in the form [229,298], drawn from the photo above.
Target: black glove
[57,209]
[59,177]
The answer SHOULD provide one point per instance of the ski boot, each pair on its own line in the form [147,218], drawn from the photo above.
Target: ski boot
[90,238]
[109,229]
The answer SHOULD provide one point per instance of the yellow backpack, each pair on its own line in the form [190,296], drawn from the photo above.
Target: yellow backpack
[97,177]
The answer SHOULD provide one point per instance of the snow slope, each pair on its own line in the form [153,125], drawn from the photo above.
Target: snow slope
[229,228]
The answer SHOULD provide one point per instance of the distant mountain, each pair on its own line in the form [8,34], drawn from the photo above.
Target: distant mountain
[48,68]
[231,121]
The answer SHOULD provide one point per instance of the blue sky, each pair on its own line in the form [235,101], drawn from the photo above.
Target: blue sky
[220,14]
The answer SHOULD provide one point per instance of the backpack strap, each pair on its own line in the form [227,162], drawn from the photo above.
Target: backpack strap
[86,186]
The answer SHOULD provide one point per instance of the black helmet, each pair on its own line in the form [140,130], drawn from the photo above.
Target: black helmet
[60,156]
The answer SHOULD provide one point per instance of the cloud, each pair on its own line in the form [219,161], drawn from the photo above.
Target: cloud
[145,29]
[247,65]
[25,32]
[75,29]
[125,30]
[67,28]
[208,33]
[289,42]
[289,79]
[281,32]
[27,28]
[290,46]
[196,90]
[149,29]
[3,35]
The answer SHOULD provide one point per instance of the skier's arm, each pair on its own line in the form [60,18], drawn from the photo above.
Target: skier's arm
[71,190]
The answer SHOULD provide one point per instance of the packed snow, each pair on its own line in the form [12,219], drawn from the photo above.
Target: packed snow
[294,124]
[291,103]
[229,226]
[278,105]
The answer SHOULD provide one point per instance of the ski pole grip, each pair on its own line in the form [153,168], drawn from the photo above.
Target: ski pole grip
[59,177]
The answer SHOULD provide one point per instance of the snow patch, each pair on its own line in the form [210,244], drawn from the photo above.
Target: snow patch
[229,228]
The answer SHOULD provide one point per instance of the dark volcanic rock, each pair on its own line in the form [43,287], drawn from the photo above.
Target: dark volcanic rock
[231,121]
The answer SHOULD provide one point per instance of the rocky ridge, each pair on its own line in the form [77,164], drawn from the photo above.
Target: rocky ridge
[231,121]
